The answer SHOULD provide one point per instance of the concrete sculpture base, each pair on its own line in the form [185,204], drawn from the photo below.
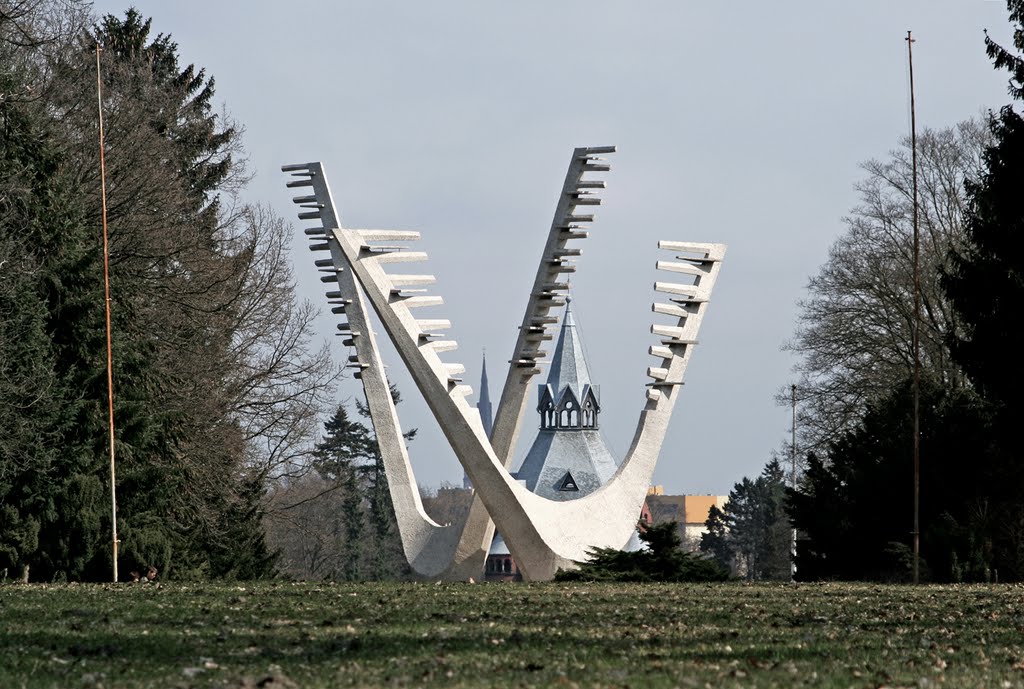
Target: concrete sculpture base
[542,535]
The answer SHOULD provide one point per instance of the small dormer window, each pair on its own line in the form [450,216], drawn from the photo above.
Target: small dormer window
[568,483]
[547,415]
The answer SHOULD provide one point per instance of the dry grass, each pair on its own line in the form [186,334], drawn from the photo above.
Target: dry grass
[460,635]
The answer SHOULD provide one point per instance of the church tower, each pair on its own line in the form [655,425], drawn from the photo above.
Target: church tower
[483,403]
[569,458]
[483,406]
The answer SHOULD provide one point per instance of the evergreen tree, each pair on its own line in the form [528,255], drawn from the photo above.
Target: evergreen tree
[182,484]
[28,405]
[180,107]
[776,544]
[744,514]
[661,560]
[854,509]
[751,532]
[986,287]
[345,507]
[715,540]
[346,448]
[986,284]
[216,388]
[51,485]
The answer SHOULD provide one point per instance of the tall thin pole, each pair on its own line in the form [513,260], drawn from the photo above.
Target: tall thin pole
[792,462]
[106,289]
[917,323]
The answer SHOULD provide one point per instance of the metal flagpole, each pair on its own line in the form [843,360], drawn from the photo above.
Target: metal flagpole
[106,288]
[792,460]
[917,324]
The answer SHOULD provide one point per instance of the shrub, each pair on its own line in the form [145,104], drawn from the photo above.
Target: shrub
[661,560]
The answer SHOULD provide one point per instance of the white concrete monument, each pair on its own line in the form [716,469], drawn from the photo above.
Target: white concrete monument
[543,535]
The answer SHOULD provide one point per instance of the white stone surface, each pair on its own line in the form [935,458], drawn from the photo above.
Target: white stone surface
[542,535]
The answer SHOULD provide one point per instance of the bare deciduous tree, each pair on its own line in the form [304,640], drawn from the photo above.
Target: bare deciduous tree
[854,330]
[281,383]
[31,31]
[448,504]
[306,523]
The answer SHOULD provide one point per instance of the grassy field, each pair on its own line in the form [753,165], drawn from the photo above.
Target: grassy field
[461,635]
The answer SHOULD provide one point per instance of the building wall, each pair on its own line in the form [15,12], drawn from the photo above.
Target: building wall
[688,511]
[501,568]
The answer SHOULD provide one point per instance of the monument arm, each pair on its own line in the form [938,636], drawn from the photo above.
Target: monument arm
[556,260]
[685,308]
[547,292]
[428,547]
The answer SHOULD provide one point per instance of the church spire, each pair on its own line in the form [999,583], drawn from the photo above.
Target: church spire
[568,364]
[569,458]
[483,403]
[569,401]
[483,406]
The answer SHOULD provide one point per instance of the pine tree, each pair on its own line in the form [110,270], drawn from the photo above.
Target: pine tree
[216,387]
[29,405]
[986,287]
[776,541]
[50,318]
[661,560]
[853,505]
[751,532]
[986,284]
[345,450]
[715,540]
[184,114]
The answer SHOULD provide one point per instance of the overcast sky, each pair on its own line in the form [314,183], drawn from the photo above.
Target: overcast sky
[738,122]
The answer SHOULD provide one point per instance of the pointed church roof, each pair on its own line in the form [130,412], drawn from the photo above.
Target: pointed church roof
[567,462]
[568,364]
[483,403]
[565,465]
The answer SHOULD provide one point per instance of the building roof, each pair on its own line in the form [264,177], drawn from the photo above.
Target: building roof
[569,364]
[583,455]
[483,403]
[498,546]
[565,463]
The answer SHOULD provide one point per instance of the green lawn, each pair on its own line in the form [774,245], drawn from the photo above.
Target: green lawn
[452,635]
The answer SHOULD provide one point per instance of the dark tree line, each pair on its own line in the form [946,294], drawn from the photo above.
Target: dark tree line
[217,388]
[854,505]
